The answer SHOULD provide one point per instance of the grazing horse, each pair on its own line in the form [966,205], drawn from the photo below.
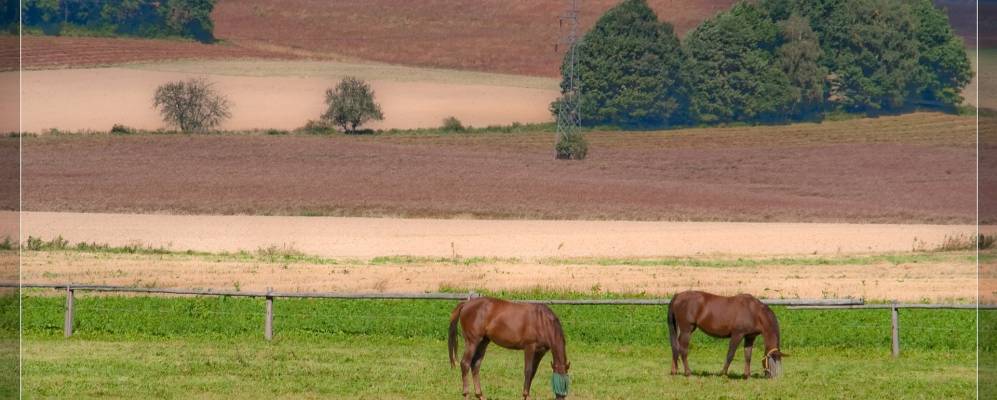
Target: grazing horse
[530,327]
[737,317]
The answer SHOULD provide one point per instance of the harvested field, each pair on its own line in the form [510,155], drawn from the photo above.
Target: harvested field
[96,99]
[373,237]
[936,278]
[47,52]
[918,168]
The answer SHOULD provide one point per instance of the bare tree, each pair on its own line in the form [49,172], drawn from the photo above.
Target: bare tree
[192,105]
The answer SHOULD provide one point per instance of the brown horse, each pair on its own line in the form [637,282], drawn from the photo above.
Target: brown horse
[532,328]
[737,317]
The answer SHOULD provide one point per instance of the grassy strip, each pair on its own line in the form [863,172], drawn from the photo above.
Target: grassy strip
[366,367]
[287,254]
[149,317]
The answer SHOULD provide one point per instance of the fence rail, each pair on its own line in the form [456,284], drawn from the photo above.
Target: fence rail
[270,296]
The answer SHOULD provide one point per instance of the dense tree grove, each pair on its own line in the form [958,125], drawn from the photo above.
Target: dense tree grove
[771,60]
[144,18]
[629,66]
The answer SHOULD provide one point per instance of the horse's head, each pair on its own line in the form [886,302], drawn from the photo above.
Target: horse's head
[559,380]
[773,363]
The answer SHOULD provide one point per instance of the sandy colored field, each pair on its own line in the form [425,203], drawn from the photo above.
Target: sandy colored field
[96,99]
[372,237]
[953,279]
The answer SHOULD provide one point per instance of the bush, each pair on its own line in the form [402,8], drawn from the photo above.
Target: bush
[571,147]
[629,68]
[192,105]
[351,104]
[452,124]
[119,129]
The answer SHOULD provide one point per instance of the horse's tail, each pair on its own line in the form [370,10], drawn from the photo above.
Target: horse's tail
[672,328]
[452,337]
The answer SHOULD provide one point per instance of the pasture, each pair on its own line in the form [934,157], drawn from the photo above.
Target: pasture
[174,347]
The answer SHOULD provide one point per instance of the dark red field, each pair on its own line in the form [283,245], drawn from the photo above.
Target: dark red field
[914,168]
[511,36]
[53,52]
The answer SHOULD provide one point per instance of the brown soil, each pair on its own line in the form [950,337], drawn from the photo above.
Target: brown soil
[932,281]
[906,169]
[48,52]
[486,35]
[493,35]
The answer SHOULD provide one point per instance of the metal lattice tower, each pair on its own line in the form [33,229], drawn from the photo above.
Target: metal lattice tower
[568,115]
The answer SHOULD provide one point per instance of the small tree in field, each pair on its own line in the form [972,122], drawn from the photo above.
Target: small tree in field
[192,105]
[351,104]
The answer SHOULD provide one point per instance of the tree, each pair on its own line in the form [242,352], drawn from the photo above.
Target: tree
[192,105]
[629,70]
[799,57]
[733,72]
[944,66]
[873,54]
[351,104]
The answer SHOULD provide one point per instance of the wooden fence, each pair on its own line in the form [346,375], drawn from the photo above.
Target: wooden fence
[270,295]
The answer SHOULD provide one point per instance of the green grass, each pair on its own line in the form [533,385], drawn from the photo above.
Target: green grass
[171,347]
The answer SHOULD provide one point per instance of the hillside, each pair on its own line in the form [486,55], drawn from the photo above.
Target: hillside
[516,36]
[509,36]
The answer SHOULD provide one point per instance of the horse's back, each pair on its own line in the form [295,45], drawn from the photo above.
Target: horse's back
[714,314]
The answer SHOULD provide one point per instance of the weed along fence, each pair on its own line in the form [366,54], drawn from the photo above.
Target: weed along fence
[269,310]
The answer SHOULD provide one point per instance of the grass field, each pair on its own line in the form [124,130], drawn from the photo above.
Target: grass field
[213,348]
[903,169]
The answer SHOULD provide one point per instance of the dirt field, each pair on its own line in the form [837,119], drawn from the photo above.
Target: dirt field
[916,168]
[373,237]
[500,36]
[950,280]
[96,99]
[493,35]
[49,52]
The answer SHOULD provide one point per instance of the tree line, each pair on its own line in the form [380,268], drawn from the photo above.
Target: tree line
[770,61]
[142,18]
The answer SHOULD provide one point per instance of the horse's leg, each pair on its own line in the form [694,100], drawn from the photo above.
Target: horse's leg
[470,346]
[479,355]
[532,362]
[675,359]
[749,343]
[735,340]
[685,336]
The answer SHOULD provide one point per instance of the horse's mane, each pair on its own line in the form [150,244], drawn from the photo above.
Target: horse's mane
[773,319]
[550,319]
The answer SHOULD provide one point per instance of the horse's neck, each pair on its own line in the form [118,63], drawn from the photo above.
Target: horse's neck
[771,336]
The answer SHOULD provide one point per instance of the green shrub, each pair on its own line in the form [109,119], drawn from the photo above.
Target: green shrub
[571,147]
[452,124]
[119,129]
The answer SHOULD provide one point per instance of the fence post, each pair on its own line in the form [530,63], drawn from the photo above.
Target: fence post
[268,324]
[68,326]
[896,329]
